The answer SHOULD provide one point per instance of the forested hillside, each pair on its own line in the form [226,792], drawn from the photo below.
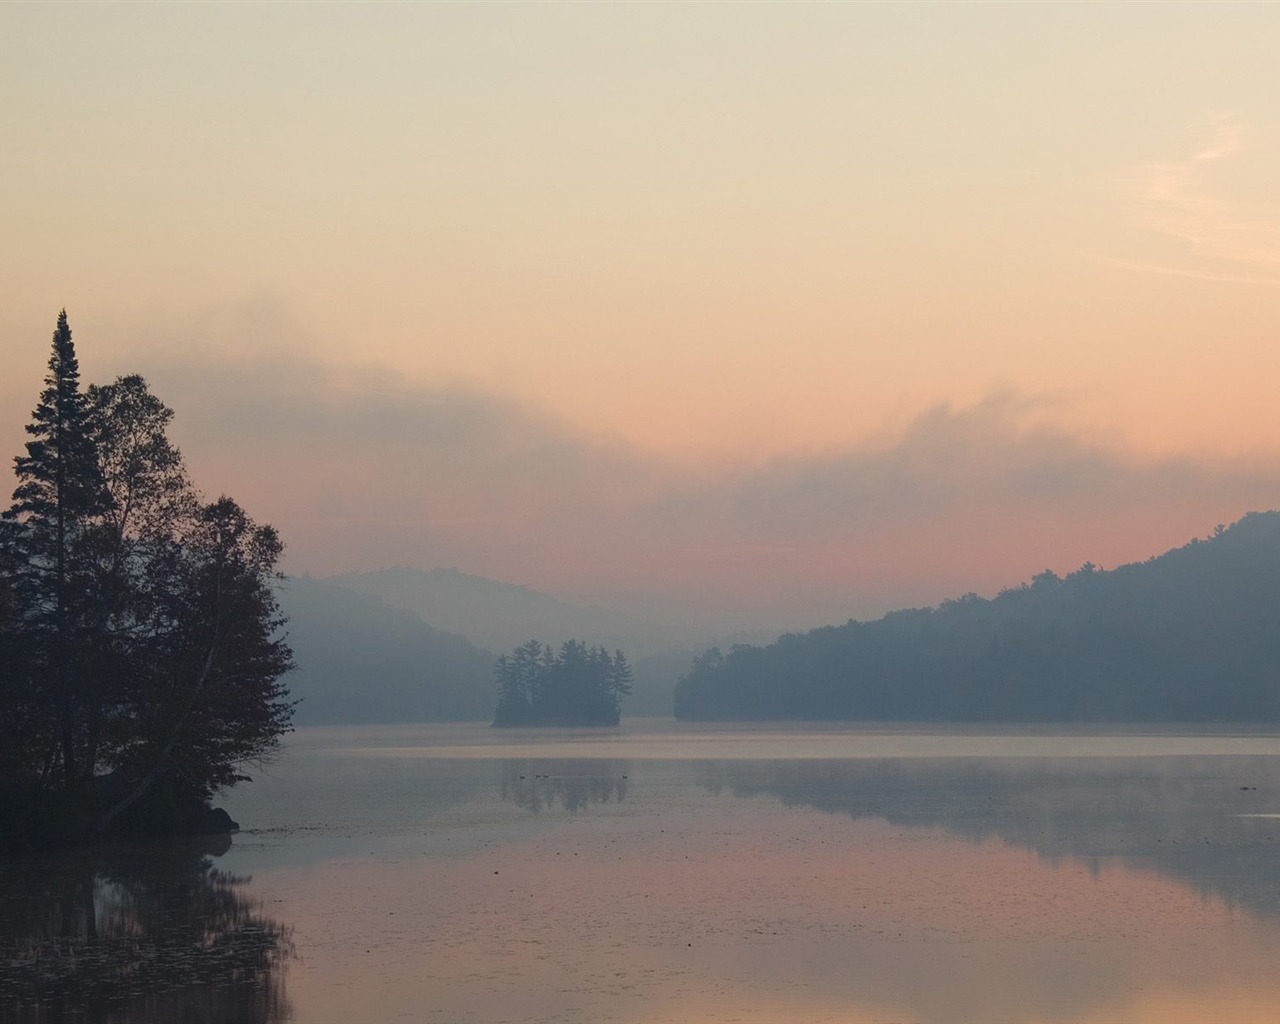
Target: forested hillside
[1193,635]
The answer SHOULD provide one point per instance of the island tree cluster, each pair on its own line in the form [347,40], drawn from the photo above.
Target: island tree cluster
[140,646]
[574,685]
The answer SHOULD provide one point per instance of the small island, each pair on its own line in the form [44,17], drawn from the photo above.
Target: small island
[576,685]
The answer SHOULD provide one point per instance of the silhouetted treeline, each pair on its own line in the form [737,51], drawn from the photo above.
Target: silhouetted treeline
[1192,635]
[141,646]
[576,685]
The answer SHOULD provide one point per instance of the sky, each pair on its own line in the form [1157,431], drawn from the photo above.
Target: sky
[782,313]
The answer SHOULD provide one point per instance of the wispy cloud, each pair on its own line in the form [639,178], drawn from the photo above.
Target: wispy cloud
[1226,138]
[1198,203]
[1199,275]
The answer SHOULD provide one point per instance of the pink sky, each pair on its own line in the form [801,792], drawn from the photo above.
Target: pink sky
[795,312]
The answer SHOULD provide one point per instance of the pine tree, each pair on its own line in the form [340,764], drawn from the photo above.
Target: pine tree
[574,685]
[141,646]
[59,490]
[619,681]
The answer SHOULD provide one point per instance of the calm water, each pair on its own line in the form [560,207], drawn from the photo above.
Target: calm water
[457,873]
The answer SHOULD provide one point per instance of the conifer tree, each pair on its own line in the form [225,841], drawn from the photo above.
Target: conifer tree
[619,679]
[59,490]
[574,685]
[141,645]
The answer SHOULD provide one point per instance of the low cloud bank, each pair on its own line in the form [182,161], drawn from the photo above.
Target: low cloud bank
[361,469]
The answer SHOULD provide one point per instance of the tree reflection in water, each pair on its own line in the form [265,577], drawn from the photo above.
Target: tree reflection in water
[125,935]
[1209,821]
[572,783]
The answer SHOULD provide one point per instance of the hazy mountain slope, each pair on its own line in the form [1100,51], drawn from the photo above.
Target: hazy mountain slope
[499,616]
[361,660]
[1192,635]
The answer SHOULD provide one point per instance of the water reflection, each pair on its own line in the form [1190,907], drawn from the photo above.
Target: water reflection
[573,783]
[127,935]
[1210,822]
[960,889]
[949,893]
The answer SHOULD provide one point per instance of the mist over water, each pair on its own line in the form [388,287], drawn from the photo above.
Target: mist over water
[670,874]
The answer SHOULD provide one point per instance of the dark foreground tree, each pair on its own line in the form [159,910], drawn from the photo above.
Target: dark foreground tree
[140,644]
[59,492]
[576,685]
[206,694]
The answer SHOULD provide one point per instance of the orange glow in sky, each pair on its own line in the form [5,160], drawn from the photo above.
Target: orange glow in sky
[658,257]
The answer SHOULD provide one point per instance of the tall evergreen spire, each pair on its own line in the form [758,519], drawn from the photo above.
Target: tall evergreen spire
[59,489]
[59,474]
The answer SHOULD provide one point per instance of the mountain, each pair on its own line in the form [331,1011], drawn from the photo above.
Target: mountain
[1192,635]
[500,616]
[360,660]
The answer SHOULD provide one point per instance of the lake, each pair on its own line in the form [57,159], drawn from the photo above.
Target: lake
[662,873]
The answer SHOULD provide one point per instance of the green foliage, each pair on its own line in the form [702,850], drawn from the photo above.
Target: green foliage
[577,685]
[1193,635]
[139,634]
